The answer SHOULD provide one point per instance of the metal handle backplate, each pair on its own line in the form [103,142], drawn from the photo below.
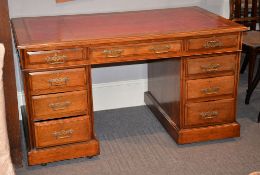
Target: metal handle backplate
[59,106]
[56,59]
[211,90]
[161,48]
[58,81]
[113,53]
[211,67]
[209,114]
[63,134]
[213,43]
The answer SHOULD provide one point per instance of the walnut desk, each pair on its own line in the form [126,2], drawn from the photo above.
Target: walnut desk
[193,62]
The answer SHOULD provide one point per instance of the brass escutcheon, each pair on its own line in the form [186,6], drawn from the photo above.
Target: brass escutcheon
[59,106]
[56,59]
[63,134]
[113,53]
[58,81]
[209,114]
[161,48]
[211,90]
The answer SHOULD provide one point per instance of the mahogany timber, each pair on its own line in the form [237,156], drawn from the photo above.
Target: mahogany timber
[10,91]
[173,41]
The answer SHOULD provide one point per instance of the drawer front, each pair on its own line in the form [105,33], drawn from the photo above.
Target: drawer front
[214,42]
[210,87]
[207,113]
[57,81]
[128,52]
[62,131]
[53,58]
[210,65]
[59,105]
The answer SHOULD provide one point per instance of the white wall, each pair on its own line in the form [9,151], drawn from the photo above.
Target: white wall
[116,78]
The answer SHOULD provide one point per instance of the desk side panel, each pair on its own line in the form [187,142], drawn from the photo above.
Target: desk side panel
[164,85]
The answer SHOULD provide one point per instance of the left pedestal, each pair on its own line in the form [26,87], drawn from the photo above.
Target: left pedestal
[58,116]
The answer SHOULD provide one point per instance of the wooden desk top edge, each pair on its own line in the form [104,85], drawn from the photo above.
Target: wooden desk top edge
[25,41]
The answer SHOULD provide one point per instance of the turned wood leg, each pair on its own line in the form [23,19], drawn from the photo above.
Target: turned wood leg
[253,85]
[251,60]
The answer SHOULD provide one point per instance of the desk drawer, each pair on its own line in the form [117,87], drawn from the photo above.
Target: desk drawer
[211,65]
[62,131]
[59,105]
[214,42]
[208,113]
[53,58]
[210,87]
[127,52]
[57,81]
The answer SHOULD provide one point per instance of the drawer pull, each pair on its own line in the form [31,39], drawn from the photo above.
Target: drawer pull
[56,59]
[113,53]
[209,114]
[210,68]
[211,90]
[59,106]
[213,43]
[63,134]
[161,49]
[58,81]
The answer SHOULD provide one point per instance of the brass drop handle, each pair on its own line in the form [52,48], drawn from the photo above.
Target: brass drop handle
[209,114]
[58,81]
[113,53]
[56,59]
[63,134]
[161,48]
[210,68]
[59,106]
[213,43]
[211,90]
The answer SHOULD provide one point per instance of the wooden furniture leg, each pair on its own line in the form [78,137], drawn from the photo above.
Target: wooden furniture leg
[251,58]
[10,92]
[253,85]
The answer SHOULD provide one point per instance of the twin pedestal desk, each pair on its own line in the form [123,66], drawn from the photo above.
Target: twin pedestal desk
[193,61]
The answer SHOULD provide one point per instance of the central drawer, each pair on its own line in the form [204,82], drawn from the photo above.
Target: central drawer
[59,105]
[62,131]
[128,52]
[210,87]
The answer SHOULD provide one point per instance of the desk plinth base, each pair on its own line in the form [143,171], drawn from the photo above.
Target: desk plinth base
[183,136]
[70,151]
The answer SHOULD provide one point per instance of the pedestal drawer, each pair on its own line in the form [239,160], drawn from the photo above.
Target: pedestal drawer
[208,113]
[128,52]
[210,65]
[210,87]
[59,105]
[62,131]
[57,81]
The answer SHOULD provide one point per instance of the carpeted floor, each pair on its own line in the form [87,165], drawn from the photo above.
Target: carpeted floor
[134,143]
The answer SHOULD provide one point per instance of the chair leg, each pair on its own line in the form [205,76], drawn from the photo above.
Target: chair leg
[251,60]
[253,85]
[258,120]
[245,63]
